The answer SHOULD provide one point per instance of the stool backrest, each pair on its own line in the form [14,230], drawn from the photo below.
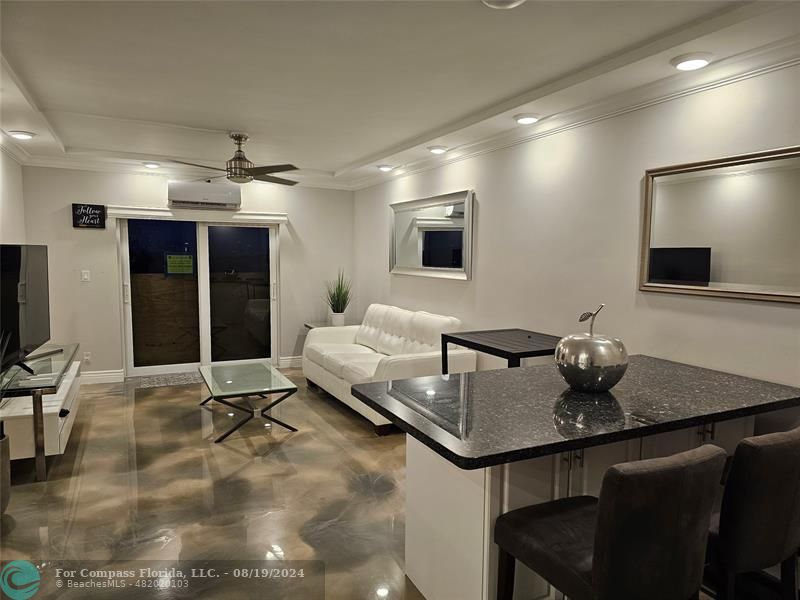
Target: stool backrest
[759,524]
[652,526]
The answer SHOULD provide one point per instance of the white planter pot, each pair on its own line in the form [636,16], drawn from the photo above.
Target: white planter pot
[337,319]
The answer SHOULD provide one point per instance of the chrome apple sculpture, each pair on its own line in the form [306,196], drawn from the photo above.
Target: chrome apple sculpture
[590,362]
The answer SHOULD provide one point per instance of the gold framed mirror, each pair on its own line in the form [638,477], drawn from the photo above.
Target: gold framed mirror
[728,227]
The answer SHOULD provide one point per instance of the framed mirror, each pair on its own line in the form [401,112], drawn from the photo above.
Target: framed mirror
[728,227]
[432,237]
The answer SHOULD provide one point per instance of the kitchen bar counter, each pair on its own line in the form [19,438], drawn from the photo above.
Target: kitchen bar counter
[481,444]
[488,418]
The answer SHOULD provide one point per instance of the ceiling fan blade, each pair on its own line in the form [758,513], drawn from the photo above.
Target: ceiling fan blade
[181,162]
[208,178]
[275,180]
[267,169]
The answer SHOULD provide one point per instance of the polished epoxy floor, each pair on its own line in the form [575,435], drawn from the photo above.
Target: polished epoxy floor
[142,479]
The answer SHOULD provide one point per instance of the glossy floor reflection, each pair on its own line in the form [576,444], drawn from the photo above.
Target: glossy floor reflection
[142,479]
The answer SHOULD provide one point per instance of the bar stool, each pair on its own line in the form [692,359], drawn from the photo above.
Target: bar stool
[644,538]
[759,522]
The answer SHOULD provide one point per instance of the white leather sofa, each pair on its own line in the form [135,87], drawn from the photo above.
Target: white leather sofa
[391,343]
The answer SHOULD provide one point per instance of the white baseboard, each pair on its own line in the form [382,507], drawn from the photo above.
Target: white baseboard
[112,376]
[290,362]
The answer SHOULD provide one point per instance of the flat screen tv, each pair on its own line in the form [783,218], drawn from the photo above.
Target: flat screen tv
[681,266]
[24,301]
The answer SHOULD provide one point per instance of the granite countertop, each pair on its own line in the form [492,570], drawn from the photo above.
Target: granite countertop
[488,418]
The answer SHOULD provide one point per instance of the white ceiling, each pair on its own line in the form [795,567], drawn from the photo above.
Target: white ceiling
[335,87]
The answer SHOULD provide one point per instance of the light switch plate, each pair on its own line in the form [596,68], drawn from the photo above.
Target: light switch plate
[86,276]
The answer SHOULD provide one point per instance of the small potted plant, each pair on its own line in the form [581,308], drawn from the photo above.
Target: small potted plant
[338,298]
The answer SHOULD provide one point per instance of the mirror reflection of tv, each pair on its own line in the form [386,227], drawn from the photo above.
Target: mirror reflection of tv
[443,249]
[680,266]
[24,302]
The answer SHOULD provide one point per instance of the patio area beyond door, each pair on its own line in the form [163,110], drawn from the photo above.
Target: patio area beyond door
[197,293]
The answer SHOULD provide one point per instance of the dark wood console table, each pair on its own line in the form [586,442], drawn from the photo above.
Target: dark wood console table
[511,344]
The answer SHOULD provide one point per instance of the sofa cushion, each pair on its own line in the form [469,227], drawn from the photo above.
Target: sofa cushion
[395,330]
[426,332]
[361,369]
[367,334]
[335,362]
[317,351]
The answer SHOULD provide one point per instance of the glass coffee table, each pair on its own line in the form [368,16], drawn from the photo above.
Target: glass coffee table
[261,379]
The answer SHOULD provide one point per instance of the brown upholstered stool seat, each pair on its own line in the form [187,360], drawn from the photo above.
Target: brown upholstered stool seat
[645,537]
[555,539]
[759,521]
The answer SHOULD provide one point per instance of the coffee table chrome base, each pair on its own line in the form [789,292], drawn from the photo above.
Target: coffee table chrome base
[250,412]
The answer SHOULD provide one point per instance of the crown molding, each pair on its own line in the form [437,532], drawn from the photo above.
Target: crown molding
[754,63]
[725,17]
[12,75]
[86,163]
[200,215]
[626,102]
[145,122]
[16,153]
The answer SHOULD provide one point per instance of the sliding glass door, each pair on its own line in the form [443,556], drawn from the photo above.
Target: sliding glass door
[197,293]
[239,294]
[163,293]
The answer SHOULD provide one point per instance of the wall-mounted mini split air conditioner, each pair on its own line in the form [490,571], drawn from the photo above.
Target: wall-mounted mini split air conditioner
[201,194]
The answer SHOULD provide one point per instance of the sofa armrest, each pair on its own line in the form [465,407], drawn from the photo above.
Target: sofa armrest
[404,366]
[333,335]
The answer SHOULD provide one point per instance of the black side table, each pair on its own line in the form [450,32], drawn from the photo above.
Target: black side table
[511,344]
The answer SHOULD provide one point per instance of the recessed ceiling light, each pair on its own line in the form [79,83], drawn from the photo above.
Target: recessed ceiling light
[437,149]
[151,165]
[691,62]
[385,168]
[502,4]
[526,118]
[22,135]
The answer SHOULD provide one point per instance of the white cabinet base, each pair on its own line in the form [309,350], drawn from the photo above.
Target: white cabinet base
[450,515]
[17,415]
[450,512]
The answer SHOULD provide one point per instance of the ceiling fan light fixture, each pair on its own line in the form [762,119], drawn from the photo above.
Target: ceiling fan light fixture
[239,169]
[240,178]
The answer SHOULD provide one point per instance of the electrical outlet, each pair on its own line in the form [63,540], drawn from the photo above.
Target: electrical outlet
[86,276]
[87,357]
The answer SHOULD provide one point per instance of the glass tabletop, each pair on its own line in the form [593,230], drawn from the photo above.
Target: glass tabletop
[244,379]
[47,370]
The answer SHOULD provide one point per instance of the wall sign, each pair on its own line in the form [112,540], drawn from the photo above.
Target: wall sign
[89,216]
[180,264]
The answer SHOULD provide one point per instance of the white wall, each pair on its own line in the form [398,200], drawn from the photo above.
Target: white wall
[12,213]
[750,221]
[313,245]
[557,232]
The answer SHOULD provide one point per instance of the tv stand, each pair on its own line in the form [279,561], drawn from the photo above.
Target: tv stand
[23,392]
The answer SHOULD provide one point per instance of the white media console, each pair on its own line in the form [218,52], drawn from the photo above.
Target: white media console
[17,414]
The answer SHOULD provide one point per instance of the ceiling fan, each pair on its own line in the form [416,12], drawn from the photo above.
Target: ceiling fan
[240,170]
